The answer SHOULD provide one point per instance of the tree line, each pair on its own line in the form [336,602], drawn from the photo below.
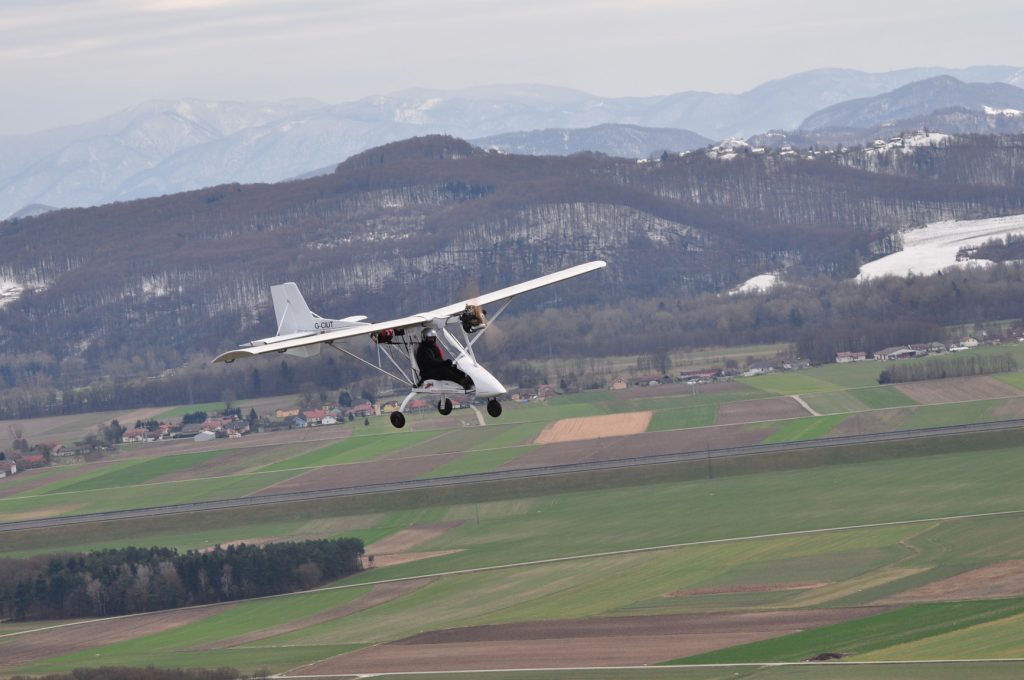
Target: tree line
[947,367]
[819,318]
[131,580]
[996,249]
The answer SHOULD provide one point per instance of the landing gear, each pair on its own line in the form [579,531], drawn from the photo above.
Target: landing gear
[494,408]
[444,406]
[397,419]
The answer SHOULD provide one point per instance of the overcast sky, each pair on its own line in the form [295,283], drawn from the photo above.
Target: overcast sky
[66,61]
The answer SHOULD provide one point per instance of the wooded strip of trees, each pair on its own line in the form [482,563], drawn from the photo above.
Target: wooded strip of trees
[996,249]
[947,367]
[131,580]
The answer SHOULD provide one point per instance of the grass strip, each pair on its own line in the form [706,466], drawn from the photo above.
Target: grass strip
[907,624]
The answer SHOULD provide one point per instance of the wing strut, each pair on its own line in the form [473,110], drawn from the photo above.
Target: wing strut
[466,350]
[373,365]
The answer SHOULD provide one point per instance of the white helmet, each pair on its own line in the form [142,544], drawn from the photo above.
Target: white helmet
[429,333]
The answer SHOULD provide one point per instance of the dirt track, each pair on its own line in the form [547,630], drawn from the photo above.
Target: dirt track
[588,642]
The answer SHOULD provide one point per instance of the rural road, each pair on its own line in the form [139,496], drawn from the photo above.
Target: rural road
[543,471]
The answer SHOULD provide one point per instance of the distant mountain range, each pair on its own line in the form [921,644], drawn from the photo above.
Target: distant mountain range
[163,147]
[394,226]
[917,99]
[629,141]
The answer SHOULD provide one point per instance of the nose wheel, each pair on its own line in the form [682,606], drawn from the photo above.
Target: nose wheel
[494,408]
[444,406]
[397,419]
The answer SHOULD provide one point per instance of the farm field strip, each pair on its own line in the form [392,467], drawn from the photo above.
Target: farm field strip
[140,496]
[475,462]
[234,490]
[354,449]
[120,476]
[990,669]
[661,573]
[559,529]
[880,635]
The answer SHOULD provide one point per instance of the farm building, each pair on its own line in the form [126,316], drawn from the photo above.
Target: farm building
[847,357]
[758,368]
[895,353]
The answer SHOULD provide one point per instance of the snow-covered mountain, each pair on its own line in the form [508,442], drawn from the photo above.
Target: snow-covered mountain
[918,99]
[168,146]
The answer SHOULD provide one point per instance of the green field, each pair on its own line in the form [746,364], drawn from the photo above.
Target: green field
[883,397]
[139,496]
[353,450]
[937,415]
[135,472]
[854,566]
[789,383]
[479,461]
[898,629]
[1012,379]
[849,525]
[133,483]
[802,429]
[858,565]
[178,412]
[174,648]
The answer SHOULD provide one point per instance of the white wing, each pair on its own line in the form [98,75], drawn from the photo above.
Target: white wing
[423,319]
[517,289]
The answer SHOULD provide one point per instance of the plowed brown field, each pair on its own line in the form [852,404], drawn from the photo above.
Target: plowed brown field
[958,389]
[594,427]
[589,642]
[1003,579]
[756,410]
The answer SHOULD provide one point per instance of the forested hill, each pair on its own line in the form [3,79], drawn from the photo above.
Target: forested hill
[414,224]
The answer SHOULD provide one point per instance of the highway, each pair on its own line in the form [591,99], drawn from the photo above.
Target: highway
[498,475]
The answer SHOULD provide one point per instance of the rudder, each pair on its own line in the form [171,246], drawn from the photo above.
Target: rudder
[293,314]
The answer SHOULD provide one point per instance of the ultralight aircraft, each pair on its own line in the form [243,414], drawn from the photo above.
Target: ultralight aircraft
[456,327]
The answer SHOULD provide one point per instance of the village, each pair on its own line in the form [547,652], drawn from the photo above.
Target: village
[230,422]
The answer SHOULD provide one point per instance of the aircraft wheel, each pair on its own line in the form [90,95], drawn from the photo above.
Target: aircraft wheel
[444,406]
[397,419]
[494,408]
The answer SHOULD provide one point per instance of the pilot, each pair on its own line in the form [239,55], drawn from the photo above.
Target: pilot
[433,365]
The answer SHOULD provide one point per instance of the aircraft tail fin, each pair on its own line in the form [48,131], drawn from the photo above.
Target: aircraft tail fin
[293,314]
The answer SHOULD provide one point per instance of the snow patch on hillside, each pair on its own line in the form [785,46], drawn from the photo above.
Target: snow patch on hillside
[757,284]
[933,247]
[1009,113]
[9,291]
